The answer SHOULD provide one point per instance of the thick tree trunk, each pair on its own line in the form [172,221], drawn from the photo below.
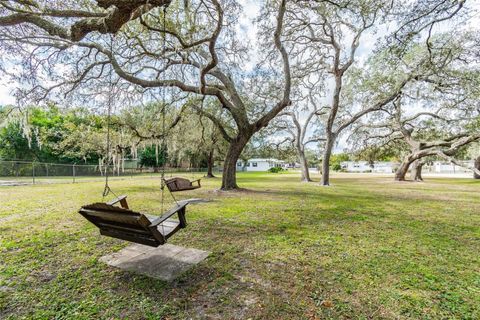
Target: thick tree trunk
[326,161]
[303,166]
[477,166]
[210,163]
[403,169]
[229,178]
[416,173]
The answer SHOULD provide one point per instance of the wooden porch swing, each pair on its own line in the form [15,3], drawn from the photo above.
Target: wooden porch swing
[125,224]
[176,184]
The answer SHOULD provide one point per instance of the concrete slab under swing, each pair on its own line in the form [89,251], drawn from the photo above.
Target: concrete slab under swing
[165,262]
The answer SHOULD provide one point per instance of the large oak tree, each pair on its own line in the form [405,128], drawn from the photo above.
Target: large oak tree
[192,47]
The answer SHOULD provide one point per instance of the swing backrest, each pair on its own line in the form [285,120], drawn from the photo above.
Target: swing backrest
[122,223]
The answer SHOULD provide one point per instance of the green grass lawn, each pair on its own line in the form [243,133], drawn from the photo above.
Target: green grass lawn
[365,248]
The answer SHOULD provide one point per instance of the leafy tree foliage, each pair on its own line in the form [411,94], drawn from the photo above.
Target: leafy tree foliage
[153,156]
[14,145]
[337,159]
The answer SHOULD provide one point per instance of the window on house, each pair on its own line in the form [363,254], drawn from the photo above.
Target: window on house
[248,164]
[239,164]
[254,164]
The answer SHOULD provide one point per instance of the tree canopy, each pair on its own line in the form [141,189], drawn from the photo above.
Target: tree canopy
[321,68]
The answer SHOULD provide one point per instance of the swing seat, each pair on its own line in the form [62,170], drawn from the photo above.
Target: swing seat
[181,184]
[123,223]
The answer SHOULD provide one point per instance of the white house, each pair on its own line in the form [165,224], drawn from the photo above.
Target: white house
[356,166]
[390,167]
[364,166]
[258,164]
[384,167]
[448,167]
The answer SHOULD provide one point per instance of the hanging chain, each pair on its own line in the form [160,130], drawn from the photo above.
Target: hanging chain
[163,147]
[200,120]
[107,189]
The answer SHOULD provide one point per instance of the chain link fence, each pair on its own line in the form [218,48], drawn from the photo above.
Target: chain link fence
[25,172]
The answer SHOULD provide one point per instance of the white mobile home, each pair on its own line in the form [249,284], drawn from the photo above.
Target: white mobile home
[384,167]
[356,166]
[258,164]
[364,166]
[448,167]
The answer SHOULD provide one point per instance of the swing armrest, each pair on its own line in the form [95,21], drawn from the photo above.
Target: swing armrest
[121,199]
[168,214]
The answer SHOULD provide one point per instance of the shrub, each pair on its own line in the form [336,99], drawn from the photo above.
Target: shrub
[336,167]
[276,169]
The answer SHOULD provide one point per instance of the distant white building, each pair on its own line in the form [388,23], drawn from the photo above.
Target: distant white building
[259,164]
[356,166]
[384,167]
[364,166]
[448,167]
[390,167]
[291,165]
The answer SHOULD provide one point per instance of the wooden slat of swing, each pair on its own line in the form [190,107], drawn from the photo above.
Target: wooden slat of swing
[168,226]
[134,226]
